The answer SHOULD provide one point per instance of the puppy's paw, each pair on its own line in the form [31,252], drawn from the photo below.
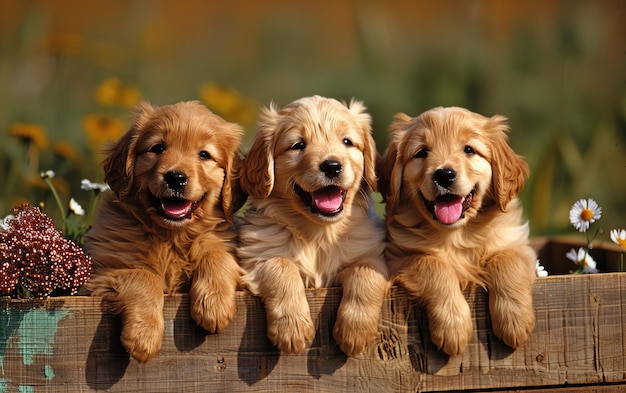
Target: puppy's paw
[451,326]
[512,322]
[354,334]
[213,311]
[291,333]
[142,336]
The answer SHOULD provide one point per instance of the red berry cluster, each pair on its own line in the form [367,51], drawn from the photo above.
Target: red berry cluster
[35,255]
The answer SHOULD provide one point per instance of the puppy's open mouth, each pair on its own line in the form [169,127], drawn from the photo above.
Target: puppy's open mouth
[449,208]
[327,201]
[174,208]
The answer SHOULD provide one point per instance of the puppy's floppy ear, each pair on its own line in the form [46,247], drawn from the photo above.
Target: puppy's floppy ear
[257,173]
[119,162]
[233,198]
[364,121]
[510,171]
[390,167]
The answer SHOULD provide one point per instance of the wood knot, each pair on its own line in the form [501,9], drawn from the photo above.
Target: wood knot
[539,358]
[221,364]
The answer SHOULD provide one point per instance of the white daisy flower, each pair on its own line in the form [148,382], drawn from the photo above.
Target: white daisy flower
[583,213]
[87,185]
[540,270]
[76,208]
[4,224]
[582,258]
[618,236]
[49,174]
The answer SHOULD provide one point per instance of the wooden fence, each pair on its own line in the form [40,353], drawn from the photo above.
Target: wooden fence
[70,344]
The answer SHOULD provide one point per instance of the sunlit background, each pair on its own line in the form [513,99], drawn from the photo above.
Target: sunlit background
[71,70]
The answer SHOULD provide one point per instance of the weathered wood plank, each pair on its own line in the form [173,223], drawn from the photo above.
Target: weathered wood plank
[70,344]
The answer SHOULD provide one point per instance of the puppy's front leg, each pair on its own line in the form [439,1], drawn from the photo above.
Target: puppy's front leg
[212,293]
[433,282]
[137,296]
[364,288]
[289,324]
[511,275]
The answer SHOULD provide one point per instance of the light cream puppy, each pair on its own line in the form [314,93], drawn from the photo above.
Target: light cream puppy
[310,224]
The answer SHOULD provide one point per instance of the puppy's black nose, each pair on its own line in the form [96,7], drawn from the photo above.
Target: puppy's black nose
[175,180]
[331,168]
[444,177]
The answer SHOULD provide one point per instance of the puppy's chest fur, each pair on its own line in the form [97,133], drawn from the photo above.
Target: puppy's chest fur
[122,242]
[466,248]
[175,263]
[319,251]
[179,255]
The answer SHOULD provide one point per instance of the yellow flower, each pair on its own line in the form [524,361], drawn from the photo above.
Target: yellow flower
[220,98]
[129,96]
[30,133]
[101,129]
[228,103]
[113,92]
[106,91]
[65,150]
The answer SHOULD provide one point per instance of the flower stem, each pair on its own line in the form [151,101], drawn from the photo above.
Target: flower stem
[57,199]
[93,202]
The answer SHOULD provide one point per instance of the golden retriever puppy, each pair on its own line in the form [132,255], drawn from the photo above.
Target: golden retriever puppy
[310,224]
[450,181]
[166,226]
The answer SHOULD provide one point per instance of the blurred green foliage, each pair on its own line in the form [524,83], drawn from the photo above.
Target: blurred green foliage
[556,69]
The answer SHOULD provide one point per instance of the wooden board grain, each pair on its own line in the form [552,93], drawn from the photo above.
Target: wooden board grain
[70,344]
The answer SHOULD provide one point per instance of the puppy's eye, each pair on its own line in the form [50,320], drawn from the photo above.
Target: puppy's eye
[298,146]
[204,155]
[347,142]
[468,150]
[157,149]
[422,153]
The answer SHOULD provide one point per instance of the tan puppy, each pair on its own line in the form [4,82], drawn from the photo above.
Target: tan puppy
[165,225]
[310,224]
[453,218]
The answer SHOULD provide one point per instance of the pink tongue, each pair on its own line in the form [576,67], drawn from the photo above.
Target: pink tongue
[328,200]
[448,209]
[176,208]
